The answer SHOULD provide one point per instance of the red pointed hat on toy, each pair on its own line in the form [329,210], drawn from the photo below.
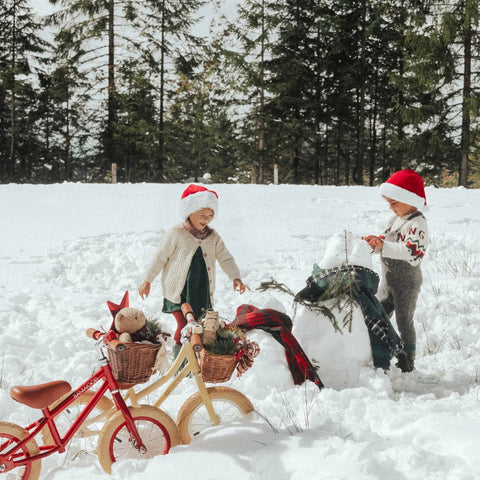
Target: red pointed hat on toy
[405,186]
[196,197]
[115,308]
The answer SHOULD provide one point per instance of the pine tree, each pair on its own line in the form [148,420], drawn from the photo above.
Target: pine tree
[199,122]
[338,81]
[60,121]
[96,36]
[174,18]
[254,33]
[136,127]
[290,84]
[459,24]
[20,46]
[412,78]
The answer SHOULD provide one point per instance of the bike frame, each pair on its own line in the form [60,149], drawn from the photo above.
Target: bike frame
[192,366]
[13,458]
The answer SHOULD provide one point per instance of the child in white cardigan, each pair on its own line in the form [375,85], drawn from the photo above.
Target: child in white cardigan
[187,258]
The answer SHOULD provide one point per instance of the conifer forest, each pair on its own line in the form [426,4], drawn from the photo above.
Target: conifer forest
[327,92]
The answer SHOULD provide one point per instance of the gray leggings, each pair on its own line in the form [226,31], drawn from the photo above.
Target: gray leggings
[398,292]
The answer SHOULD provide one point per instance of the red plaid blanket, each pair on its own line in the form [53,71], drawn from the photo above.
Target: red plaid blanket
[279,325]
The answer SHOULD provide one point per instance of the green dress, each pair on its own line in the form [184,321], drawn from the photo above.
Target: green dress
[196,291]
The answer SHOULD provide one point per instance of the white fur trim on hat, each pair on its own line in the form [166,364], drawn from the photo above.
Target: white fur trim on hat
[195,201]
[400,194]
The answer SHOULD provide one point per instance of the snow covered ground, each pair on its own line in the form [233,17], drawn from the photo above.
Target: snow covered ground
[67,249]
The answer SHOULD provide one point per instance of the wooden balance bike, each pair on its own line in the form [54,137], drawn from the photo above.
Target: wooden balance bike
[209,406]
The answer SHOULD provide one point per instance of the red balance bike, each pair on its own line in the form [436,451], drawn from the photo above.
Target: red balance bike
[140,431]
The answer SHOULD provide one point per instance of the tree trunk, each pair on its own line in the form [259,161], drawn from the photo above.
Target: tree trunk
[257,169]
[373,134]
[319,141]
[385,162]
[296,163]
[261,139]
[467,74]
[12,161]
[358,170]
[161,132]
[399,156]
[68,141]
[111,86]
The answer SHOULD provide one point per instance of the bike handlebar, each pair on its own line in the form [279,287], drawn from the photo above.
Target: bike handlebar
[94,333]
[196,342]
[195,338]
[187,312]
[114,343]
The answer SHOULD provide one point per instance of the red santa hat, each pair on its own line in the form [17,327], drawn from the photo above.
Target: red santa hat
[196,197]
[405,186]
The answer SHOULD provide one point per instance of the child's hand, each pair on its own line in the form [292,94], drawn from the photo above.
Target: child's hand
[374,241]
[144,289]
[239,286]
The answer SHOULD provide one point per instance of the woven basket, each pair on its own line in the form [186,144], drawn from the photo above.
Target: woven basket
[134,364]
[216,368]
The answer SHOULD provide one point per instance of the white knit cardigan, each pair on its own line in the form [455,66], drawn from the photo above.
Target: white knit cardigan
[175,255]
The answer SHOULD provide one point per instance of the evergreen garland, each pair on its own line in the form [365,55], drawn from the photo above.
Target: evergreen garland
[317,306]
[339,291]
[227,341]
[342,289]
[153,330]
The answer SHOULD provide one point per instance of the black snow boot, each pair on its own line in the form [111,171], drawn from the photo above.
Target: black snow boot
[406,361]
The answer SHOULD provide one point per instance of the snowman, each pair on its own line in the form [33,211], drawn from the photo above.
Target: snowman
[360,335]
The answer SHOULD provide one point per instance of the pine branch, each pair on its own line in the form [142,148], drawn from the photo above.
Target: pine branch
[342,290]
[321,308]
[317,307]
[350,283]
[153,330]
[274,285]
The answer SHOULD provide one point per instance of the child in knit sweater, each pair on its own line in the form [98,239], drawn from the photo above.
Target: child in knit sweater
[187,257]
[402,247]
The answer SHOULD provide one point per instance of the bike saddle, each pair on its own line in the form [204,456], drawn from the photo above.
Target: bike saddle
[40,396]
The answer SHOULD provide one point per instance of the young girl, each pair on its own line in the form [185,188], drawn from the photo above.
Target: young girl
[402,247]
[187,256]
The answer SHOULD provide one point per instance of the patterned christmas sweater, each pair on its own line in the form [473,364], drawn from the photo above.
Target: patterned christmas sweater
[406,238]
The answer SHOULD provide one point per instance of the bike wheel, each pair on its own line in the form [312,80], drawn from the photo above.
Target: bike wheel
[157,430]
[85,439]
[11,434]
[193,418]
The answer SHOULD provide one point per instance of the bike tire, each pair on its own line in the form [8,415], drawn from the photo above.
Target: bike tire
[229,405]
[11,433]
[91,427]
[157,429]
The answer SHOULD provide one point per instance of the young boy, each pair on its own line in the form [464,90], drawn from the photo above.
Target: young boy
[402,247]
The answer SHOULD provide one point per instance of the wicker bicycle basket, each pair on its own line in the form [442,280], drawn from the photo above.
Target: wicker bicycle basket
[216,368]
[134,364]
